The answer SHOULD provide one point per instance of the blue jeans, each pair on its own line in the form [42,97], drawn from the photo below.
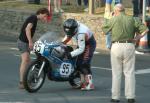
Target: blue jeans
[117,1]
[86,2]
[110,1]
[80,2]
[108,40]
[135,7]
[108,37]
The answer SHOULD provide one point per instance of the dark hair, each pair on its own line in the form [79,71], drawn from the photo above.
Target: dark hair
[43,11]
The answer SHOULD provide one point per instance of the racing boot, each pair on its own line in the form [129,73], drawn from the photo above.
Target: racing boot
[82,83]
[88,84]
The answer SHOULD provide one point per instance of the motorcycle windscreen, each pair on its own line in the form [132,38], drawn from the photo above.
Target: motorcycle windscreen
[51,38]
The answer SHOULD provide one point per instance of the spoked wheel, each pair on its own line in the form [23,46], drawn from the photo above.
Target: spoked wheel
[33,80]
[75,80]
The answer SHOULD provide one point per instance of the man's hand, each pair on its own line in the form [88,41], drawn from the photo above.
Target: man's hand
[30,45]
[103,33]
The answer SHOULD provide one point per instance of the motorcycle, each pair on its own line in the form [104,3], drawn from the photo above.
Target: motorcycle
[51,61]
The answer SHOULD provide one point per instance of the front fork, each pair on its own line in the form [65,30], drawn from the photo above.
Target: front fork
[41,68]
[39,57]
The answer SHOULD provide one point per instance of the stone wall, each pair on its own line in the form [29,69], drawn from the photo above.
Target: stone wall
[12,20]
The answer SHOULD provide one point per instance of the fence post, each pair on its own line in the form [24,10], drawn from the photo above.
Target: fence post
[144,13]
[91,6]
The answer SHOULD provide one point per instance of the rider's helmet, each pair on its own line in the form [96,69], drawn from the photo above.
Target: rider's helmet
[70,27]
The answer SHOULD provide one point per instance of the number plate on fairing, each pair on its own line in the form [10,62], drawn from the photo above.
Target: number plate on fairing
[66,69]
[39,47]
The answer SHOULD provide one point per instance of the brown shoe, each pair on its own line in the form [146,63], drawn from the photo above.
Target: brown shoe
[131,100]
[21,86]
[114,101]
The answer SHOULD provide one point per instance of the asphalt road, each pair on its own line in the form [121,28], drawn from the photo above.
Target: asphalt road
[61,92]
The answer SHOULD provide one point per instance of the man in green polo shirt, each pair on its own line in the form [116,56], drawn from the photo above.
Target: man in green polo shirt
[123,29]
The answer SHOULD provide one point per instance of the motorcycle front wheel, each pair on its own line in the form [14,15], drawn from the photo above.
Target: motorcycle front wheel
[32,80]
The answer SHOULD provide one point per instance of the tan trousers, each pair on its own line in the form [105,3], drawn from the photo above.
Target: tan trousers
[123,62]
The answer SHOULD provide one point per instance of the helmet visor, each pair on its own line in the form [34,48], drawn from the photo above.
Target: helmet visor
[70,31]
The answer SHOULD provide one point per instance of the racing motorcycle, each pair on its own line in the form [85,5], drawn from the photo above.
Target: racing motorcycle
[51,61]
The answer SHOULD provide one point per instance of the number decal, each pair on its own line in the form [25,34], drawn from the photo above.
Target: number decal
[39,47]
[65,69]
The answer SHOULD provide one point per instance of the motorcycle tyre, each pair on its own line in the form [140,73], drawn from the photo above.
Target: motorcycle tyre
[25,83]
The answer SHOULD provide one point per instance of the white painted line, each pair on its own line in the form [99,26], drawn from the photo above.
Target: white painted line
[96,52]
[32,52]
[16,55]
[19,56]
[100,68]
[13,102]
[137,52]
[142,71]
[14,48]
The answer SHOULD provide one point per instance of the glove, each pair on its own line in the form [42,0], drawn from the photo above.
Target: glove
[68,55]
[69,48]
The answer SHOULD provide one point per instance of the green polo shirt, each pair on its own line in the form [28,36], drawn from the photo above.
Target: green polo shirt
[123,27]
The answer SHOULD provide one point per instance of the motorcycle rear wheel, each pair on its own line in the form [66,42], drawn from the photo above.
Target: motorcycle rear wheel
[32,83]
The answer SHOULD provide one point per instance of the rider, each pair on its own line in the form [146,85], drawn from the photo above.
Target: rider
[86,45]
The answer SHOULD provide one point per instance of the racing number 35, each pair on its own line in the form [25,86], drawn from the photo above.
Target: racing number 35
[65,69]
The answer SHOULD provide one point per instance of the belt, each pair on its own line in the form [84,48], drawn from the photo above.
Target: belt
[125,41]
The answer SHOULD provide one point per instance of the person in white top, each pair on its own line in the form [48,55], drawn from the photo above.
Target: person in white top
[86,45]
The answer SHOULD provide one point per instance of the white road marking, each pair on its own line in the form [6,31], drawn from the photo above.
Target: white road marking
[14,48]
[137,52]
[100,68]
[32,52]
[16,55]
[96,52]
[14,102]
[19,56]
[142,71]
